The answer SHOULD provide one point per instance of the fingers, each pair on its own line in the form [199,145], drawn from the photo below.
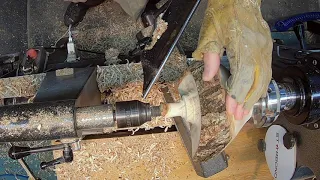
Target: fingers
[246,112]
[231,105]
[211,65]
[239,112]
[233,108]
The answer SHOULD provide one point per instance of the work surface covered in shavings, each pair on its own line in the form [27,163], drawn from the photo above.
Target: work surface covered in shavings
[132,157]
[114,76]
[20,87]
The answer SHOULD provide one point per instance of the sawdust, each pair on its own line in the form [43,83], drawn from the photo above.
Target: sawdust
[107,26]
[161,27]
[20,86]
[114,76]
[125,158]
[111,56]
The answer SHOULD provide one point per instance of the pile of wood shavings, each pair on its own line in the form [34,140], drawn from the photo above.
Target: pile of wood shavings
[111,56]
[116,75]
[132,157]
[106,26]
[113,76]
[174,68]
[161,27]
[20,86]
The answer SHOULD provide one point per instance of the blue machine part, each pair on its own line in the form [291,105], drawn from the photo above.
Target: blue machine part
[286,24]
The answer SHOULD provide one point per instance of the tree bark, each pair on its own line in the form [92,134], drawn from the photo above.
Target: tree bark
[216,127]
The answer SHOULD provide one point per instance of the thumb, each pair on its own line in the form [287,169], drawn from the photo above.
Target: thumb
[211,65]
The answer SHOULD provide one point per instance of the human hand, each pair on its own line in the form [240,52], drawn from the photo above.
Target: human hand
[237,26]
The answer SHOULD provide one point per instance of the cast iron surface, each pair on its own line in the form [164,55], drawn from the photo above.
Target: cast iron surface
[54,88]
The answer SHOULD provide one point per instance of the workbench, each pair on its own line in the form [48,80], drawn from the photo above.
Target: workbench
[162,156]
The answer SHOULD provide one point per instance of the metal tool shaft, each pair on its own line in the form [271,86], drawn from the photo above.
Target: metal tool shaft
[167,42]
[280,97]
[59,120]
[38,121]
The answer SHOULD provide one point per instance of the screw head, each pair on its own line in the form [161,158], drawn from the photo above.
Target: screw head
[227,157]
[314,62]
[289,140]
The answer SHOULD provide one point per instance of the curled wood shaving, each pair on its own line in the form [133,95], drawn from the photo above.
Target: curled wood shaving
[124,158]
[161,27]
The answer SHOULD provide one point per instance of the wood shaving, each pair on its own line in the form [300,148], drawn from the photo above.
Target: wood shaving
[116,75]
[64,72]
[161,27]
[111,56]
[20,86]
[125,158]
